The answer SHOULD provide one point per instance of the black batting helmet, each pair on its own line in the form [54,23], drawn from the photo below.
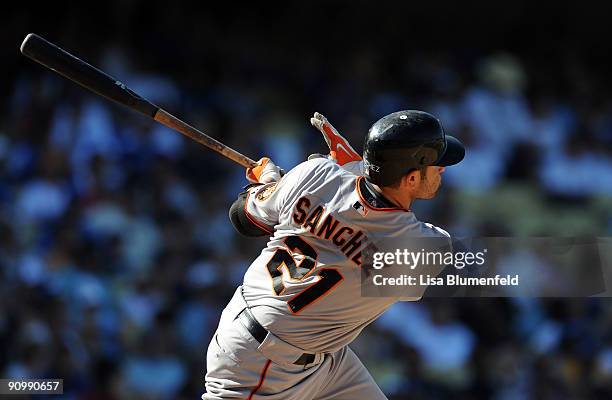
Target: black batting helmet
[406,140]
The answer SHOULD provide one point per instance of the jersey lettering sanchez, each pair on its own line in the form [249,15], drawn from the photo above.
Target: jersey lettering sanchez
[305,285]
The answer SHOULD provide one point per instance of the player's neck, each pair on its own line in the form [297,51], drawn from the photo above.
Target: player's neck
[399,197]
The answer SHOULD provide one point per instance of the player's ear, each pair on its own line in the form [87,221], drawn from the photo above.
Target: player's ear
[412,179]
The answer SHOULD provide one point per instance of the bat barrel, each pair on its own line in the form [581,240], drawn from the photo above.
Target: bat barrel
[77,70]
[86,75]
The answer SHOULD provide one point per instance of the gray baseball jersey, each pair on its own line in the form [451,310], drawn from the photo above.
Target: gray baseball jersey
[304,287]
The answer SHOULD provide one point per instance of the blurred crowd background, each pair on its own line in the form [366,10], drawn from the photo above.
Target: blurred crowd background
[117,255]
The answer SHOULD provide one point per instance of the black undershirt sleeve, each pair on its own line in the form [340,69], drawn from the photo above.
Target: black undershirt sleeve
[241,221]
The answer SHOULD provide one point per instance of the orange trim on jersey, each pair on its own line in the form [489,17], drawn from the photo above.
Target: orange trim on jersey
[252,218]
[371,207]
[261,379]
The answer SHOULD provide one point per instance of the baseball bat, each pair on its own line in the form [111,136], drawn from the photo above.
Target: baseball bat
[88,76]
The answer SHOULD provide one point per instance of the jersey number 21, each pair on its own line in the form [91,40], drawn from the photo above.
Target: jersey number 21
[330,277]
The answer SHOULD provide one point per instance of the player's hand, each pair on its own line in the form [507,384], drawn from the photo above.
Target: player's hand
[339,148]
[265,172]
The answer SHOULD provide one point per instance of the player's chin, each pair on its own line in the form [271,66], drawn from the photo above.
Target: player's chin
[433,193]
[429,195]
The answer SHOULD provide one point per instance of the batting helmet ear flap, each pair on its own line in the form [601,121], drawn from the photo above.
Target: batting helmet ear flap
[425,156]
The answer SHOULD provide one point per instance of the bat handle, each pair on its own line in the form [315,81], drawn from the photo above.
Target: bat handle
[172,122]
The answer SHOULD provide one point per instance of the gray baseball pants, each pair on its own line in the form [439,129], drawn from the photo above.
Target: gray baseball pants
[239,367]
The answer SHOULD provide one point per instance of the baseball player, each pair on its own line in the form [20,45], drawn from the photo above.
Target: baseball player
[286,330]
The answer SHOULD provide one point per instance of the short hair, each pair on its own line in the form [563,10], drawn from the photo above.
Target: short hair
[395,184]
